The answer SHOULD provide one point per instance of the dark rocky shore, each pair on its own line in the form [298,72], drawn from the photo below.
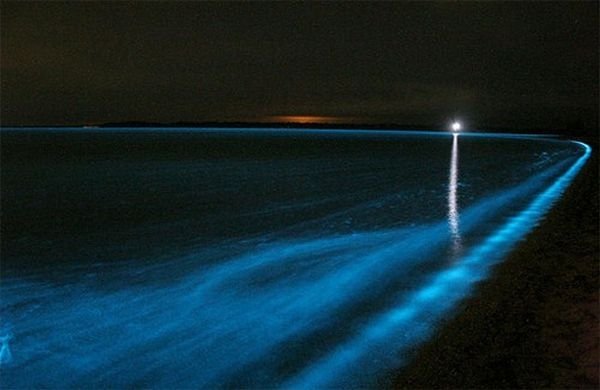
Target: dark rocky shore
[535,323]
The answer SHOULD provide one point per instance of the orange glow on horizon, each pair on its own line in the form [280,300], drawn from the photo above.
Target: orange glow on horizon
[307,119]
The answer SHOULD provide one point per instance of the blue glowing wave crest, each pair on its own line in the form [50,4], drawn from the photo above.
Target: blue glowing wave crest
[339,310]
[415,315]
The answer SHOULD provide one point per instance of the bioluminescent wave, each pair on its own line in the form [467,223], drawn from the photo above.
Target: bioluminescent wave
[336,298]
[414,315]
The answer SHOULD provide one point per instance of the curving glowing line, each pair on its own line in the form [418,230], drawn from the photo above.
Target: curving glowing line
[453,215]
[414,318]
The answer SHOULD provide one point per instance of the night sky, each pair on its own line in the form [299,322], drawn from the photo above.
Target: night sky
[510,64]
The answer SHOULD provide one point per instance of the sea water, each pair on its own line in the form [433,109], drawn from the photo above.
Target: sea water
[251,257]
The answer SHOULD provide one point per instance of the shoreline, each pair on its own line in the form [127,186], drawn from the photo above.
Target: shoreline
[534,323]
[431,127]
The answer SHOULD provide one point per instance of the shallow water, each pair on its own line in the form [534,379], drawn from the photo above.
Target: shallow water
[252,258]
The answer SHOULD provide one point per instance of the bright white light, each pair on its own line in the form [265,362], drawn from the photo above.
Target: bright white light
[456,126]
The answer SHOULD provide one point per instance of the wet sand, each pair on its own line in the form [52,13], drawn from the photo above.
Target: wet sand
[535,324]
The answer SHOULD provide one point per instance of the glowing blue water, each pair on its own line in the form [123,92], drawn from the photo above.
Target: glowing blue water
[311,305]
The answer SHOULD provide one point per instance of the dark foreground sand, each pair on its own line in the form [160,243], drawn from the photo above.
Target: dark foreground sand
[534,324]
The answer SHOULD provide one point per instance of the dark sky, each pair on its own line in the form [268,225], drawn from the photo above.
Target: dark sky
[513,64]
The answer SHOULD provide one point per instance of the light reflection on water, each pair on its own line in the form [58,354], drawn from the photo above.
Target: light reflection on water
[453,213]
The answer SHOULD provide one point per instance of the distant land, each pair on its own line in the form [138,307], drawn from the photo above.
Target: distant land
[575,130]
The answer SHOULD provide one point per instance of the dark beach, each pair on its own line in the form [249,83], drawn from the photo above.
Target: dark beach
[534,324]
[314,195]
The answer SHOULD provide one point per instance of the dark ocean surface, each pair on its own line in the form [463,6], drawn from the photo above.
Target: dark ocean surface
[251,258]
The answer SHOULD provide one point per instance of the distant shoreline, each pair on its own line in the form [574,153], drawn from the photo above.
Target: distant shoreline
[313,126]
